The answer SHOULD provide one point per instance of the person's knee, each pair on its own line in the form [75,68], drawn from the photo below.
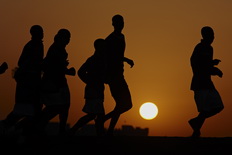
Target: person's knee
[91,116]
[125,109]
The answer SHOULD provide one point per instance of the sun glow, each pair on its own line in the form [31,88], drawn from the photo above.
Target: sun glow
[148,110]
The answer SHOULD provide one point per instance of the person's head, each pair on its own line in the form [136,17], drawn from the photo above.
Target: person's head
[118,22]
[62,37]
[207,34]
[100,46]
[36,32]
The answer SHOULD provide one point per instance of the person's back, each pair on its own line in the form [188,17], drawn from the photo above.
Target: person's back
[55,65]
[29,63]
[115,53]
[96,77]
[201,63]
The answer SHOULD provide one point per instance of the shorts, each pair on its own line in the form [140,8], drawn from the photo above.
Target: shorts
[61,97]
[94,106]
[208,100]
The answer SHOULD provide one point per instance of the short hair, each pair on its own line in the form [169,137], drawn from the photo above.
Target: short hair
[64,32]
[117,17]
[98,43]
[35,29]
[206,30]
[61,34]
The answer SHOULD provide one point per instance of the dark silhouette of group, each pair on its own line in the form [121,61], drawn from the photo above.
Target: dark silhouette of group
[42,90]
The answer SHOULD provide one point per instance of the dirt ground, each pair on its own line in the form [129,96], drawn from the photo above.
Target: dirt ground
[119,145]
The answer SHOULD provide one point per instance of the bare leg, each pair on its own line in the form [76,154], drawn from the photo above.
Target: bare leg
[47,114]
[81,122]
[113,123]
[63,116]
[197,122]
[99,124]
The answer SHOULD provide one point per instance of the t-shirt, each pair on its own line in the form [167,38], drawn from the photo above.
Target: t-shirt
[202,66]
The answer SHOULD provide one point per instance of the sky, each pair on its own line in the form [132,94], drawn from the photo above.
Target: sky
[160,37]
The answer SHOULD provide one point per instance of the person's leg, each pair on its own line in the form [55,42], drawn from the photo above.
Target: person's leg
[47,114]
[109,115]
[211,113]
[28,123]
[64,109]
[113,122]
[63,117]
[12,119]
[99,124]
[121,94]
[81,122]
[196,124]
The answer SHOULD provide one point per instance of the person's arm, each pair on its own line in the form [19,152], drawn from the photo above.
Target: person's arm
[215,62]
[82,73]
[129,61]
[3,67]
[216,71]
[71,71]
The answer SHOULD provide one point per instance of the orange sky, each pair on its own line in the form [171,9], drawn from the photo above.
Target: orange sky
[160,37]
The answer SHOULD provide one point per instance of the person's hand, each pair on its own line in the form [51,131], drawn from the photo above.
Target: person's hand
[216,61]
[130,62]
[3,67]
[218,72]
[71,71]
[67,62]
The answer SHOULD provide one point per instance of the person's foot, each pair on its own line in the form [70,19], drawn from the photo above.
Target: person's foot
[193,123]
[196,134]
[195,126]
[99,125]
[70,132]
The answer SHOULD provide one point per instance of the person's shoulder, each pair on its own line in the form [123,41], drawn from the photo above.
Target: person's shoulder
[199,46]
[90,59]
[109,36]
[28,46]
[29,43]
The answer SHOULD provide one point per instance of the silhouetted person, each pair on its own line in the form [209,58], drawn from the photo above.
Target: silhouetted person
[55,93]
[3,67]
[115,72]
[207,98]
[92,73]
[28,79]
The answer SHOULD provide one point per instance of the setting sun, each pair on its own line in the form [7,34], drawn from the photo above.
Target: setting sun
[148,110]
